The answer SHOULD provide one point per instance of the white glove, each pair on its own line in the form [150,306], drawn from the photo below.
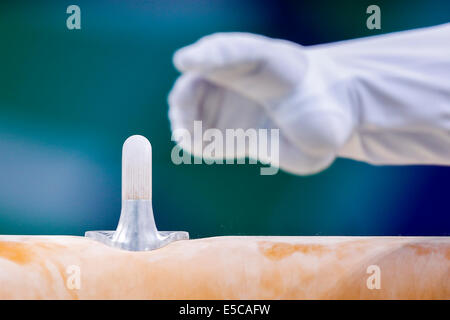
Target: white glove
[383,100]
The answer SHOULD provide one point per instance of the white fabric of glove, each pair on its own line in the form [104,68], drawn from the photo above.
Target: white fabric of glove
[383,99]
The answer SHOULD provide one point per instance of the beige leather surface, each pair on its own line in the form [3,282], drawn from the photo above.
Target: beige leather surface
[52,267]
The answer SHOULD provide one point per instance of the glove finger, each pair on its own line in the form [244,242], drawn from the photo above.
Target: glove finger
[195,99]
[292,157]
[220,50]
[294,160]
[256,67]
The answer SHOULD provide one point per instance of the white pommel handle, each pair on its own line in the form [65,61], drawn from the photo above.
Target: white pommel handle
[137,169]
[136,230]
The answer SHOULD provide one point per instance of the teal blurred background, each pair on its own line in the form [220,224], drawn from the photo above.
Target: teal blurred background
[69,99]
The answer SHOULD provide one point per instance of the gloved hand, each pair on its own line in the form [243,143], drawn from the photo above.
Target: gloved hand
[383,100]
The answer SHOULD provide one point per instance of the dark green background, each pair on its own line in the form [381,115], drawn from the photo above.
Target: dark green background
[68,100]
